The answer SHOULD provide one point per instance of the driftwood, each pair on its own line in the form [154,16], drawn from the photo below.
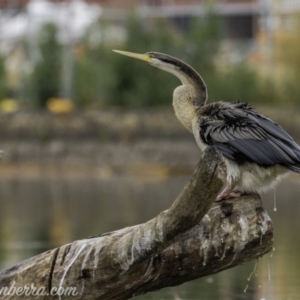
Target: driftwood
[195,237]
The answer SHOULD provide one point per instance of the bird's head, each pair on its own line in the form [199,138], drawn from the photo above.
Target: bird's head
[156,59]
[186,74]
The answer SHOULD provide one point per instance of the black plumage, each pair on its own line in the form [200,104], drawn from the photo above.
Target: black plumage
[244,135]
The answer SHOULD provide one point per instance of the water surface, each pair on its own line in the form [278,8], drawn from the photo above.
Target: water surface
[42,212]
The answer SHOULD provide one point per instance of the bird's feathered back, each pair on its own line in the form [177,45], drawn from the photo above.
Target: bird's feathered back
[244,135]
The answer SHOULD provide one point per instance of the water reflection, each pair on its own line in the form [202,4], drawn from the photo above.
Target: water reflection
[42,212]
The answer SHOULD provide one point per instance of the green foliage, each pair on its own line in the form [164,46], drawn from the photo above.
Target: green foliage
[241,83]
[84,71]
[116,80]
[104,78]
[3,83]
[46,76]
[287,56]
[137,84]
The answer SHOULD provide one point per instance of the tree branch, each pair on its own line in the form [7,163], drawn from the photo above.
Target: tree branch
[185,242]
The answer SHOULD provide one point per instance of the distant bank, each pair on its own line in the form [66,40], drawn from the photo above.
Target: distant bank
[112,137]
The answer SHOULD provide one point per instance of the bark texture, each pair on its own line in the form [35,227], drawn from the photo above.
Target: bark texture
[189,240]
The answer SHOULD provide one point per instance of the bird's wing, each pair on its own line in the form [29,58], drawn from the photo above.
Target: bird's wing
[251,137]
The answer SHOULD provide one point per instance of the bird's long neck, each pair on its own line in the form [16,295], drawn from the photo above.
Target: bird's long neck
[184,105]
[190,77]
[188,97]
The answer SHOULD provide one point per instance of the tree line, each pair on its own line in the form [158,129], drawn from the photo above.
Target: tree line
[100,78]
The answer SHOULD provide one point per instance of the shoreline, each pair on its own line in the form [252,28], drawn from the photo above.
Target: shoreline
[108,137]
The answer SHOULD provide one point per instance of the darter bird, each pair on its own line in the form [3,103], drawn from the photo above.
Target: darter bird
[257,151]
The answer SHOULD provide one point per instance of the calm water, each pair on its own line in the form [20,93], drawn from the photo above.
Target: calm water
[42,212]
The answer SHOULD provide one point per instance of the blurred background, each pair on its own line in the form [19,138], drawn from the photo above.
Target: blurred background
[91,144]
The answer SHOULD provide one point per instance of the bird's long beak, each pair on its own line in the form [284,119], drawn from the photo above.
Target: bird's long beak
[145,57]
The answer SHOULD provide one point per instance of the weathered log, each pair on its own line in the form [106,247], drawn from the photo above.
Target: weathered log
[187,241]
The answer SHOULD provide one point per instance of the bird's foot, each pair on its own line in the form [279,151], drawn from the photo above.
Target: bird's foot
[228,193]
[234,194]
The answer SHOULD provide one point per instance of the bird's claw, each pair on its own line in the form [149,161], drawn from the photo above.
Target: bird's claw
[233,194]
